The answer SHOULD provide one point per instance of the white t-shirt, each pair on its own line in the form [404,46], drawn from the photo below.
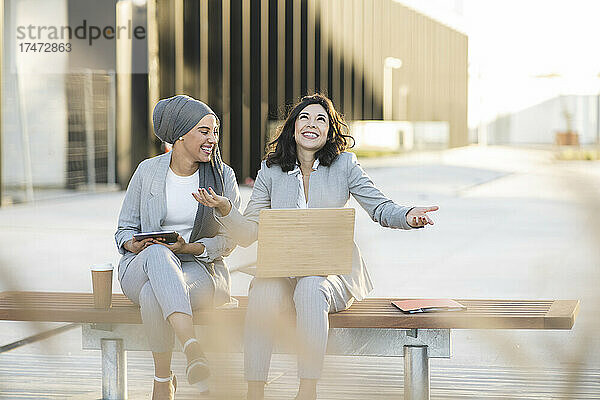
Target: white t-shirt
[181,205]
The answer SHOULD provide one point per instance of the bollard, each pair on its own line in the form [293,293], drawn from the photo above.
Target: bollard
[114,370]
[416,373]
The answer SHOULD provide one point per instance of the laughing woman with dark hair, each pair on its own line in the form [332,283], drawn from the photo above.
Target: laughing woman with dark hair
[284,149]
[307,167]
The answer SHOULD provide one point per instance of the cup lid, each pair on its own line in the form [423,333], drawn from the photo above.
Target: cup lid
[102,267]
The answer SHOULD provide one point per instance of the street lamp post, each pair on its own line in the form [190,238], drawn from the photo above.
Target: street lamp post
[389,64]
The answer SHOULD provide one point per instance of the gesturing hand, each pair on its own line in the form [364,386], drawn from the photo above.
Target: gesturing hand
[211,199]
[417,217]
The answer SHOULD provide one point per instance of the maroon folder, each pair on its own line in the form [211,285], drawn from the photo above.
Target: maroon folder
[428,305]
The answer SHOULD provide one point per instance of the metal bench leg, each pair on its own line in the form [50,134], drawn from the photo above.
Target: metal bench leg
[114,370]
[416,373]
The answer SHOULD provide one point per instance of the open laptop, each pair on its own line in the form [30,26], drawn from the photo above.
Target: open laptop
[305,242]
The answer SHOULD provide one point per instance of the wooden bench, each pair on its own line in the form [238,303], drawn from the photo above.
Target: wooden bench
[371,327]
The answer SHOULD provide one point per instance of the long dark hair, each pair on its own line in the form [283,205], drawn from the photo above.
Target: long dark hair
[282,150]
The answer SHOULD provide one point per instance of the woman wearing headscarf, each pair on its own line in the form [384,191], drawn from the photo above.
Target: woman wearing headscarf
[307,167]
[168,281]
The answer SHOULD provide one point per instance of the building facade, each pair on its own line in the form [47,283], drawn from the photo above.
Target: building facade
[83,118]
[251,60]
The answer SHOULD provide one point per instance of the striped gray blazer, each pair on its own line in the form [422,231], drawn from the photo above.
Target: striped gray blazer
[144,209]
[330,187]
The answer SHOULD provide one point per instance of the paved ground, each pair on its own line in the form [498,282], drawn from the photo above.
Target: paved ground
[347,378]
[513,223]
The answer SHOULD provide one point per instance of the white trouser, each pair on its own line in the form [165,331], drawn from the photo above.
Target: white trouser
[162,283]
[270,315]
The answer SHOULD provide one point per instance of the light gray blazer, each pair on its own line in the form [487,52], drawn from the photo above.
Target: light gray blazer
[330,187]
[145,207]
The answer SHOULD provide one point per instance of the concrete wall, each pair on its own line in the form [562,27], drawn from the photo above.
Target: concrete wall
[398,136]
[540,123]
[34,104]
[35,108]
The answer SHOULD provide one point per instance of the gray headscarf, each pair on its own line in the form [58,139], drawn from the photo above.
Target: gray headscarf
[173,118]
[177,115]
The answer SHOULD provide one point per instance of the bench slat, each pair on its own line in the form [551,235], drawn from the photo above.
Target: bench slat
[562,314]
[369,313]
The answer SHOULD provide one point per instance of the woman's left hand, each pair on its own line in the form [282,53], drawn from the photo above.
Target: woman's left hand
[177,247]
[211,199]
[417,217]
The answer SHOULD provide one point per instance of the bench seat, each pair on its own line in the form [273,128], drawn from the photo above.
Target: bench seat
[370,327]
[369,313]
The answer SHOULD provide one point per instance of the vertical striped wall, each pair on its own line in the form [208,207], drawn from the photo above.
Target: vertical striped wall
[249,60]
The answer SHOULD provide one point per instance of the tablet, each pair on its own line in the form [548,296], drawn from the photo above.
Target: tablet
[168,236]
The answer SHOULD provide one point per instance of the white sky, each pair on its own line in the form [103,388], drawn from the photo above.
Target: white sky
[511,42]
